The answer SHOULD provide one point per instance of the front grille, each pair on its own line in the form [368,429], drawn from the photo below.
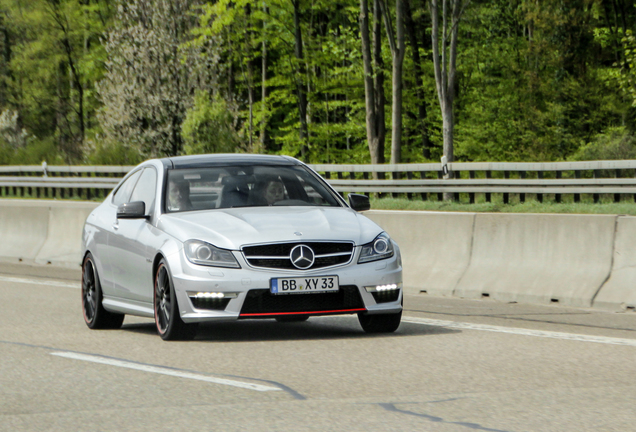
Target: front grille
[276,255]
[262,301]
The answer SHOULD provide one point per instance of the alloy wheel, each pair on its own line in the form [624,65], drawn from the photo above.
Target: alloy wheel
[163,300]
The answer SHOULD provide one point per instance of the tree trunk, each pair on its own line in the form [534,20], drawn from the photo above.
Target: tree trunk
[445,64]
[300,88]
[369,91]
[380,99]
[396,43]
[249,80]
[263,136]
[373,82]
[6,58]
[419,77]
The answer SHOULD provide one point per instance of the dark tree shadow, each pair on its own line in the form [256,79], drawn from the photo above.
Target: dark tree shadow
[316,328]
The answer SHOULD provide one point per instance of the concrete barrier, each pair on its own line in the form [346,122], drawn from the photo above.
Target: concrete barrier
[64,238]
[538,258]
[573,260]
[23,230]
[435,247]
[42,232]
[619,292]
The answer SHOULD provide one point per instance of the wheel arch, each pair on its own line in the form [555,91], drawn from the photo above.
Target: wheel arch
[155,265]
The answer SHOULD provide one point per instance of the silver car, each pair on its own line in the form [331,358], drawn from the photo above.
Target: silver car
[210,238]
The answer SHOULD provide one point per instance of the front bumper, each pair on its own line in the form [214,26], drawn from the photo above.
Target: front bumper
[242,286]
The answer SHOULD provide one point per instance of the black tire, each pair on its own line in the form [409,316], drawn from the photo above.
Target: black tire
[381,323]
[168,321]
[292,318]
[95,316]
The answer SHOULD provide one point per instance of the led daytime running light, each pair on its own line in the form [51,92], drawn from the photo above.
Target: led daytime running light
[212,295]
[383,288]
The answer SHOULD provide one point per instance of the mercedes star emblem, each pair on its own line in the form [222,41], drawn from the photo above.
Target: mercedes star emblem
[302,257]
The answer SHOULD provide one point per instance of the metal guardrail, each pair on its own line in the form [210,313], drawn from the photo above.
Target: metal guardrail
[594,178]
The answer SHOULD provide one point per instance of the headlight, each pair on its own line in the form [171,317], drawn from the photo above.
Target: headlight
[380,248]
[203,253]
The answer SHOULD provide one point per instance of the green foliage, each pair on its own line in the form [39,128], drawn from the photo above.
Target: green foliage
[208,127]
[616,144]
[538,80]
[33,153]
[627,78]
[152,74]
[109,153]
[52,56]
[528,90]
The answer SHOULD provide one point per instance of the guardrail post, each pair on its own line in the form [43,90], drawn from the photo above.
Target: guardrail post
[456,175]
[471,196]
[618,174]
[409,175]
[395,176]
[506,197]
[339,174]
[440,196]
[577,197]
[424,195]
[557,197]
[597,197]
[365,175]
[522,196]
[540,177]
[488,176]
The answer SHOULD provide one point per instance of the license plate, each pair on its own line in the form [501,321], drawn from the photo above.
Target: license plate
[304,285]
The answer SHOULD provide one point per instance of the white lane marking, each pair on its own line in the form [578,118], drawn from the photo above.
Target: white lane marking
[520,331]
[47,282]
[162,371]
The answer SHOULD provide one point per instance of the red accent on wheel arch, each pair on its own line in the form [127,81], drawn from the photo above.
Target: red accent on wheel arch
[303,313]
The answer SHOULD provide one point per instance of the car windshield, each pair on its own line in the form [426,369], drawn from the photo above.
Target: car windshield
[245,186]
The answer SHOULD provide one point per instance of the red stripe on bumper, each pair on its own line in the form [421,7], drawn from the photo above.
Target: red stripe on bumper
[303,313]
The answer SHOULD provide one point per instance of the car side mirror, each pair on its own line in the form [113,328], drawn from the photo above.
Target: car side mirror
[132,210]
[359,202]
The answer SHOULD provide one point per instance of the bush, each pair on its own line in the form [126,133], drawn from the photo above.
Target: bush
[616,144]
[113,154]
[208,127]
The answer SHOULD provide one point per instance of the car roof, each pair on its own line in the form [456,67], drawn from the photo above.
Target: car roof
[212,160]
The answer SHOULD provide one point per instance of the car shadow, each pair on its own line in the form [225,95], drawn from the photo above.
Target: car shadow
[316,328]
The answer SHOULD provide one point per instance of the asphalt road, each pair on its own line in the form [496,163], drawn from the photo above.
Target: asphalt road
[453,365]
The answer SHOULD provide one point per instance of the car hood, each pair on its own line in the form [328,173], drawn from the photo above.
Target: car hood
[236,227]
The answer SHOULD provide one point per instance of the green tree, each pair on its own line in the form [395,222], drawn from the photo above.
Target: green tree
[152,73]
[208,127]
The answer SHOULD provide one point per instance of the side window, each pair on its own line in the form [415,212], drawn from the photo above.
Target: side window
[146,188]
[123,193]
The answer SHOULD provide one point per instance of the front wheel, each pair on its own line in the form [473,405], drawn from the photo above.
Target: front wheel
[95,316]
[169,324]
[380,323]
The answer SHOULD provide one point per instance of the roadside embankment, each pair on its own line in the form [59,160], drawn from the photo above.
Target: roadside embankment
[571,260]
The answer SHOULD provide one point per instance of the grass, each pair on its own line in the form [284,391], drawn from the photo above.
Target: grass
[606,206]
